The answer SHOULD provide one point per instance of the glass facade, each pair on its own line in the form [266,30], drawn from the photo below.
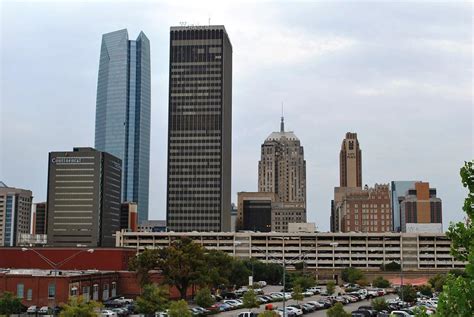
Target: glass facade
[123,111]
[399,188]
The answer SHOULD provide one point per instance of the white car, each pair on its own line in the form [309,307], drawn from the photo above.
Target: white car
[399,313]
[316,304]
[307,293]
[233,302]
[43,310]
[32,309]
[108,313]
[295,310]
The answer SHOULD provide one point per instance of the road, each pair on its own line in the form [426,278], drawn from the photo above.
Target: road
[320,313]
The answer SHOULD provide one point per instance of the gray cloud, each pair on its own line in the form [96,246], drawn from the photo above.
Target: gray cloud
[399,74]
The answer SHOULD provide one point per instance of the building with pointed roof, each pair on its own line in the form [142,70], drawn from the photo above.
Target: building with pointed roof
[282,170]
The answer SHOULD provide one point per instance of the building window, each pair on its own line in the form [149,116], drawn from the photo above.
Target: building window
[114,289]
[73,291]
[20,290]
[51,290]
[29,294]
[86,293]
[105,292]
[95,295]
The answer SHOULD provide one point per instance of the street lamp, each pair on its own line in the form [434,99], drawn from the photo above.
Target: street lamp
[55,266]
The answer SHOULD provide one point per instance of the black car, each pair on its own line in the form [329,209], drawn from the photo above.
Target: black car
[361,313]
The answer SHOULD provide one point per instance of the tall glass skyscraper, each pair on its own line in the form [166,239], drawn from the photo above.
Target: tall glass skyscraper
[122,126]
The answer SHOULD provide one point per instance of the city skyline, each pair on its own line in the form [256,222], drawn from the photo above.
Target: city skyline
[389,104]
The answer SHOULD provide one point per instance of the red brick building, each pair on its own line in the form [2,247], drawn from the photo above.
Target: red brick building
[43,288]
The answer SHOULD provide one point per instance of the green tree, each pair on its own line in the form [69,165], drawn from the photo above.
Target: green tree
[153,299]
[331,287]
[250,299]
[351,275]
[183,265]
[179,309]
[391,267]
[240,273]
[10,304]
[425,290]
[219,268]
[78,307]
[380,282]
[337,311]
[438,281]
[143,263]
[379,304]
[297,293]
[268,313]
[457,297]
[299,266]
[204,298]
[304,281]
[408,293]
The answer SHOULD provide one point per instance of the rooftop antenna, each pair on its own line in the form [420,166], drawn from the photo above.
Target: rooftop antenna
[282,123]
[209,20]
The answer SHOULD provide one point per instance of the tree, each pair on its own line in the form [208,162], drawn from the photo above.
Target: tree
[379,304]
[337,311]
[457,297]
[268,313]
[407,293]
[179,309]
[331,287]
[420,311]
[153,299]
[304,281]
[239,273]
[297,293]
[438,281]
[380,282]
[183,265]
[250,299]
[78,307]
[10,304]
[219,268]
[425,290]
[204,298]
[299,266]
[142,264]
[391,267]
[351,275]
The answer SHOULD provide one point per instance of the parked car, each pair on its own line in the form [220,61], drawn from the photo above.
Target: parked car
[248,314]
[297,311]
[316,304]
[401,313]
[108,313]
[32,309]
[43,310]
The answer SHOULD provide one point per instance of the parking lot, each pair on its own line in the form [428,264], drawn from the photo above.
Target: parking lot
[349,307]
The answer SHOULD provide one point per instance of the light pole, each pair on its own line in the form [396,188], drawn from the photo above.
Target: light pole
[55,266]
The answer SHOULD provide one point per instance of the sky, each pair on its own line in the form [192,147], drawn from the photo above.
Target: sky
[397,73]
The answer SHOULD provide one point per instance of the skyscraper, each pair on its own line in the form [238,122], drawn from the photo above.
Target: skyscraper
[84,187]
[122,126]
[15,214]
[39,218]
[199,129]
[350,162]
[282,170]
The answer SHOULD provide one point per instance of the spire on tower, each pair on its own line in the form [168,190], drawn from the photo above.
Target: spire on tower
[282,123]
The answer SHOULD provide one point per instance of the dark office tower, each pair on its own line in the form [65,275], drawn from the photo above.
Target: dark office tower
[84,189]
[39,218]
[199,129]
[122,126]
[350,161]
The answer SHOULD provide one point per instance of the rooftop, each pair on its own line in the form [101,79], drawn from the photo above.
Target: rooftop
[282,134]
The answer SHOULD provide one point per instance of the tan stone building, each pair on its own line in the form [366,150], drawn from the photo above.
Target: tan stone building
[282,170]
